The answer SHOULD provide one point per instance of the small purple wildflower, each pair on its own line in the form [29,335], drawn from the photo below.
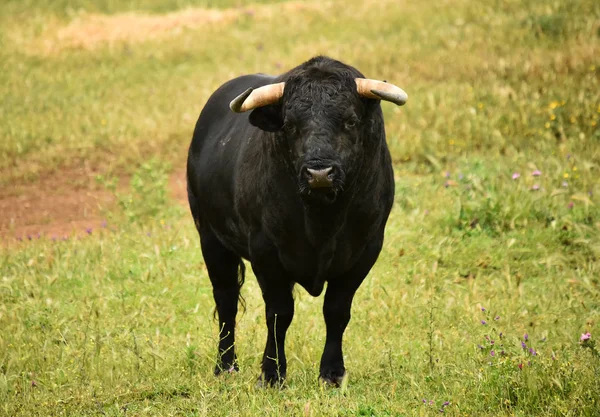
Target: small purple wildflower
[492,353]
[535,187]
[149,234]
[526,337]
[500,335]
[585,336]
[491,342]
[33,383]
[103,224]
[532,351]
[515,175]
[536,173]
[568,156]
[482,308]
[502,353]
[565,184]
[431,402]
[483,322]
[523,345]
[54,238]
[446,404]
[497,318]
[88,230]
[571,204]
[424,401]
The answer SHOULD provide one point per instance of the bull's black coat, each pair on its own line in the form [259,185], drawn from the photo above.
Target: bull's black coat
[248,193]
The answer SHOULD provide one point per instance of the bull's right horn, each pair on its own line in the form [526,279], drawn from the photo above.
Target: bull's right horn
[262,96]
[380,90]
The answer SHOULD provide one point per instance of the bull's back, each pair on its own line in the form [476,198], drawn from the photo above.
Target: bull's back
[217,124]
[217,145]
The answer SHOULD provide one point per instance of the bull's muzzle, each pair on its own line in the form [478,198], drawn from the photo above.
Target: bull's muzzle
[320,178]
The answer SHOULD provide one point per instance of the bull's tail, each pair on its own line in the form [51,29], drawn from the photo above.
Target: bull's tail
[241,280]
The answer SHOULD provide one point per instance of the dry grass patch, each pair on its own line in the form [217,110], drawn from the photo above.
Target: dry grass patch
[90,31]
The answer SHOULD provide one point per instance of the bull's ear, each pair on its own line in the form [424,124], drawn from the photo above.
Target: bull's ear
[267,118]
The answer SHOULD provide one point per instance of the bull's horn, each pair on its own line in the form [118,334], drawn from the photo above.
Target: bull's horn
[262,96]
[380,90]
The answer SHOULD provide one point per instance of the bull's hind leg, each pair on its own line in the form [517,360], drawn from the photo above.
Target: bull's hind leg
[223,266]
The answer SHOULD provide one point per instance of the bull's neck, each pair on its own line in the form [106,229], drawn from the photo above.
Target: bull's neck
[323,222]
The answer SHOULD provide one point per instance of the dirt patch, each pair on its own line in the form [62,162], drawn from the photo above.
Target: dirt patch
[64,204]
[93,30]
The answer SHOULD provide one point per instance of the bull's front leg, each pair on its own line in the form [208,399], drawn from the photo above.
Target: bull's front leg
[336,311]
[279,309]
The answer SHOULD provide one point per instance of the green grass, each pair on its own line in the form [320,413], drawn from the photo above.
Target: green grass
[120,322]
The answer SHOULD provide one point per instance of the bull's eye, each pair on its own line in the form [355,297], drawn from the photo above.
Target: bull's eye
[350,124]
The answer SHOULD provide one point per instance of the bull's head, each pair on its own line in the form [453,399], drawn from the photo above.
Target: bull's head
[323,117]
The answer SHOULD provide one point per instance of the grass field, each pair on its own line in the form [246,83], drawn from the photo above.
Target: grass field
[490,272]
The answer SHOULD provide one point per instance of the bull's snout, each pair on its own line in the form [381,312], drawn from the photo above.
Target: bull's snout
[320,178]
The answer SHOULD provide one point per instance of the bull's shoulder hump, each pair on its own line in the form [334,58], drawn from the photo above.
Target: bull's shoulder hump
[221,98]
[238,85]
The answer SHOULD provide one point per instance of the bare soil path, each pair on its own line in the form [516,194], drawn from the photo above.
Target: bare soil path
[63,204]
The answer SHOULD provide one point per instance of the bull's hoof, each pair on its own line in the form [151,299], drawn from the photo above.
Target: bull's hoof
[268,380]
[334,379]
[226,369]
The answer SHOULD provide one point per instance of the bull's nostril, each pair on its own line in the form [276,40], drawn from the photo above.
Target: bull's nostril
[319,178]
[331,173]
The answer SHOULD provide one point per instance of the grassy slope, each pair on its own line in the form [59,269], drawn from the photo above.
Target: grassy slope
[120,322]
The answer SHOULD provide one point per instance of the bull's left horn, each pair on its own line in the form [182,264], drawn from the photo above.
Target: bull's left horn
[380,90]
[262,96]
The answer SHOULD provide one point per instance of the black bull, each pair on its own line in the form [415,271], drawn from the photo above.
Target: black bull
[301,187]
